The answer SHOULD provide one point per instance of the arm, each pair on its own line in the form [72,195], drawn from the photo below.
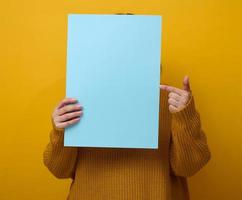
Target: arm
[189,151]
[58,159]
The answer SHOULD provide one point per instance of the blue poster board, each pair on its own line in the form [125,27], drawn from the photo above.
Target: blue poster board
[113,70]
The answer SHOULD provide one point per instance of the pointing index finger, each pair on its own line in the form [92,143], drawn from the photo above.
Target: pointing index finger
[172,89]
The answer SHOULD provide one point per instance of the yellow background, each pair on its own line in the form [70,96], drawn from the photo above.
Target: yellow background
[201,38]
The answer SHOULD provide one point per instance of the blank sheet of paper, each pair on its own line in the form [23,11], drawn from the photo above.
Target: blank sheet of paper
[113,69]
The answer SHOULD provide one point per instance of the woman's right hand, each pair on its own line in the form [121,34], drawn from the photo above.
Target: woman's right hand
[66,113]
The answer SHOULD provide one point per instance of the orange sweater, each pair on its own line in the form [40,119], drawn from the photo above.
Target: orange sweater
[134,174]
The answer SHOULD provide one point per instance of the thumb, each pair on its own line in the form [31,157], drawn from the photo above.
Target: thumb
[186,84]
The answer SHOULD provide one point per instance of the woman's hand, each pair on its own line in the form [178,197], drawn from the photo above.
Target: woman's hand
[67,112]
[178,98]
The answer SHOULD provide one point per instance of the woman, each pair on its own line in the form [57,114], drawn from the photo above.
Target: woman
[133,174]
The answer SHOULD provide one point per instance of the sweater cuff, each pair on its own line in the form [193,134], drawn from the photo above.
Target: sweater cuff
[57,134]
[187,114]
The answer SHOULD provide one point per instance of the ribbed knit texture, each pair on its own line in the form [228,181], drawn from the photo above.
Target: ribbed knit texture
[134,174]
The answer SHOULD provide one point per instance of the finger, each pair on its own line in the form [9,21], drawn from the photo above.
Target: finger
[186,84]
[173,109]
[69,108]
[171,89]
[65,102]
[163,87]
[173,102]
[68,116]
[175,96]
[68,123]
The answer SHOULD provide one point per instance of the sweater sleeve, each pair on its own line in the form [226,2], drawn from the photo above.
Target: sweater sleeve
[58,159]
[189,151]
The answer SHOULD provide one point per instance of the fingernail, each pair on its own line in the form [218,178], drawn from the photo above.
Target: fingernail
[79,106]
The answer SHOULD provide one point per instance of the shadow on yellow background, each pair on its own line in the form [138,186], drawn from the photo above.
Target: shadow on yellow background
[200,38]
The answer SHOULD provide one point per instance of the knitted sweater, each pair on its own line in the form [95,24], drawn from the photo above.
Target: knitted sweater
[134,174]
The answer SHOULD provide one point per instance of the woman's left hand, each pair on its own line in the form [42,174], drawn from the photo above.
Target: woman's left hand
[178,98]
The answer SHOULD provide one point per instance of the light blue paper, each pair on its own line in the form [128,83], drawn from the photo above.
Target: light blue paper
[113,69]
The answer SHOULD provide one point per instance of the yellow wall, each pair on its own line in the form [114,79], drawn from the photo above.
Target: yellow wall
[201,38]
